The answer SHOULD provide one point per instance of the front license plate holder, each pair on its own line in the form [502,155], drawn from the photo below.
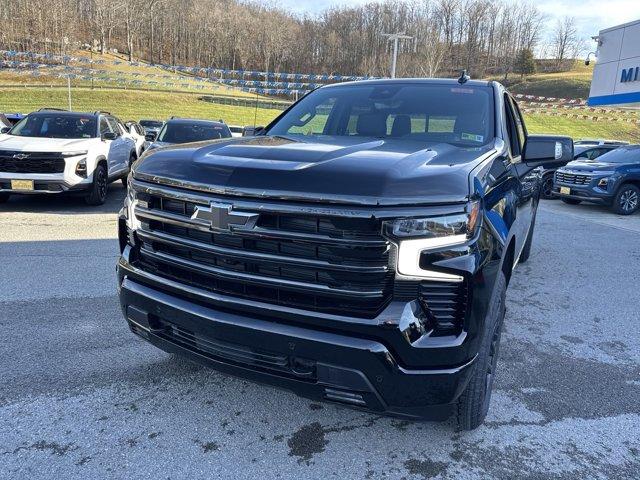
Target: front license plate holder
[21,184]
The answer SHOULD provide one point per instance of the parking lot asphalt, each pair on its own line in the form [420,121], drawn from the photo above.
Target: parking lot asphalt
[82,397]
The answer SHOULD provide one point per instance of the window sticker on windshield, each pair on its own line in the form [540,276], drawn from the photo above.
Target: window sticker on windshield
[472,137]
[462,90]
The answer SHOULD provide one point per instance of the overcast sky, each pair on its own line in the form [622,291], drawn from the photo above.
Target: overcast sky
[591,15]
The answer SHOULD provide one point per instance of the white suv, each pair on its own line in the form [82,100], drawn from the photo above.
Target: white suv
[55,151]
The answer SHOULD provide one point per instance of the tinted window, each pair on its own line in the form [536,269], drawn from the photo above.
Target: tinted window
[183,132]
[512,130]
[114,125]
[104,126]
[151,123]
[459,115]
[626,154]
[520,128]
[51,125]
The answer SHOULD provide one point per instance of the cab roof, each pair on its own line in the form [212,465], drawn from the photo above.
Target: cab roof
[414,81]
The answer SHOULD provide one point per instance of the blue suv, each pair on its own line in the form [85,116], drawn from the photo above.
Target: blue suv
[612,179]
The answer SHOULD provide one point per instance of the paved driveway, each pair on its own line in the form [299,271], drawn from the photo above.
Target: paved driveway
[82,397]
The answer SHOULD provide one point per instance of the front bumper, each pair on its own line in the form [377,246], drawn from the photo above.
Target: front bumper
[324,366]
[589,192]
[45,187]
[371,366]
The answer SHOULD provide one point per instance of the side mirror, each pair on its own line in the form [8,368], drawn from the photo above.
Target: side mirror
[5,129]
[547,150]
[251,131]
[150,137]
[109,136]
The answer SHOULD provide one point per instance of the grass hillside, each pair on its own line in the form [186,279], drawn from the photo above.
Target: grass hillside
[572,84]
[129,103]
[126,73]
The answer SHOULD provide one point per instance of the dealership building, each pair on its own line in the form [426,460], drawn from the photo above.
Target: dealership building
[616,76]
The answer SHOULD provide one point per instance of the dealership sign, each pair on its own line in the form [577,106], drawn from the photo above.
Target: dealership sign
[616,76]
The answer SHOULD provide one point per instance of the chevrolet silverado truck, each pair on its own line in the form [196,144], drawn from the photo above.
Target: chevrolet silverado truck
[357,251]
[54,151]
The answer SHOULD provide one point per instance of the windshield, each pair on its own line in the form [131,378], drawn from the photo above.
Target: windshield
[191,132]
[151,123]
[52,125]
[424,112]
[625,154]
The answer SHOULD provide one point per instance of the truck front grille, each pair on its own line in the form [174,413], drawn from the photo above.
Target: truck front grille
[35,162]
[572,178]
[324,263]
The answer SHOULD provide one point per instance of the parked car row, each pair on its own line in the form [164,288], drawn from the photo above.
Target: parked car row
[56,151]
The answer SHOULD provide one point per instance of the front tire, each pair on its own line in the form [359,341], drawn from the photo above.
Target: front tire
[98,192]
[473,404]
[546,190]
[627,200]
[571,201]
[526,250]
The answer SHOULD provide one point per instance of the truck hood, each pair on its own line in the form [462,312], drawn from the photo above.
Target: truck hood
[38,144]
[591,166]
[323,169]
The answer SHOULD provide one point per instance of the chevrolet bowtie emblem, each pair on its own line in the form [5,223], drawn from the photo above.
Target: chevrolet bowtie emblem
[222,217]
[21,156]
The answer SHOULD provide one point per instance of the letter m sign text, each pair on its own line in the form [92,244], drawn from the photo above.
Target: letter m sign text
[630,74]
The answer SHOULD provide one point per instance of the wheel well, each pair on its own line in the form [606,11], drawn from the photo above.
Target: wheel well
[635,182]
[507,263]
[102,161]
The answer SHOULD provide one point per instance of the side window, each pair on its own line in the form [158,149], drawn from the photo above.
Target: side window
[521,130]
[114,125]
[598,152]
[514,141]
[104,126]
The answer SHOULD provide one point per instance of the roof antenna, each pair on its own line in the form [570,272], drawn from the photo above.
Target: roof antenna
[464,78]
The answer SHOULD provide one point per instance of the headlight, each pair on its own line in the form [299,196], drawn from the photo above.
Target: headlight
[130,202]
[416,235]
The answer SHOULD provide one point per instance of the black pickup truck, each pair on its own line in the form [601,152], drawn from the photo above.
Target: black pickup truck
[357,251]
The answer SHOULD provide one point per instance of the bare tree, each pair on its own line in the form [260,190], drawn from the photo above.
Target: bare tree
[565,42]
[483,36]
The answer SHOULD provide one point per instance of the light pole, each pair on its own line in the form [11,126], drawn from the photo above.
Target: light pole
[395,37]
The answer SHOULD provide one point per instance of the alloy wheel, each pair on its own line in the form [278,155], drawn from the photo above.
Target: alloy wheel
[629,200]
